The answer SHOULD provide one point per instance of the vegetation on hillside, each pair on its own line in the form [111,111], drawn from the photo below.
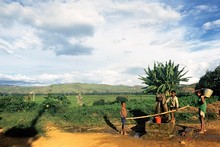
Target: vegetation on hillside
[74,88]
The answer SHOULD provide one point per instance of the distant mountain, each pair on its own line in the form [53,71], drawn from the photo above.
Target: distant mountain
[72,88]
[82,87]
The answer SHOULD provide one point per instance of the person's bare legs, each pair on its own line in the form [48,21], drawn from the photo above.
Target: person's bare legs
[204,125]
[172,117]
[123,131]
[202,122]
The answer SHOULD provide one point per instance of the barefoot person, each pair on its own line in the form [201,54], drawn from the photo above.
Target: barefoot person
[202,109]
[173,104]
[123,118]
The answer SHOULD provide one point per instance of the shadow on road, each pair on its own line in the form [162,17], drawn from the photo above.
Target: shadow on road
[110,124]
[18,135]
[140,123]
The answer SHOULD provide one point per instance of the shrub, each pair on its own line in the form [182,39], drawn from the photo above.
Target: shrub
[99,102]
[55,103]
[15,103]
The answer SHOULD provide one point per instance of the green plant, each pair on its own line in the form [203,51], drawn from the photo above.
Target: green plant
[15,103]
[163,77]
[55,103]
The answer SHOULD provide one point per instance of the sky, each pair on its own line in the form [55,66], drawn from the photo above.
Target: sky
[44,42]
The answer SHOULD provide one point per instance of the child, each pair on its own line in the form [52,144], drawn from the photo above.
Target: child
[202,109]
[123,117]
[174,104]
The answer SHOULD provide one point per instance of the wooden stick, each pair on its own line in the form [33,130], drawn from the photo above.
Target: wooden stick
[158,113]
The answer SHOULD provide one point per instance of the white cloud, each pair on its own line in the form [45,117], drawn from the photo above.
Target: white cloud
[199,10]
[139,13]
[206,8]
[6,47]
[212,25]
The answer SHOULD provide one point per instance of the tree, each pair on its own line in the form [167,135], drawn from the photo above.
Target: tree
[163,77]
[211,80]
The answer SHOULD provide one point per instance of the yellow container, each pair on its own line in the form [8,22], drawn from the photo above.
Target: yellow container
[208,92]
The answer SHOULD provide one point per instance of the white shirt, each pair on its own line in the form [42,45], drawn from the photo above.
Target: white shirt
[174,102]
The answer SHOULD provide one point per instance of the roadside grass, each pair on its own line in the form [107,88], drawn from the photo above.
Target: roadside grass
[21,120]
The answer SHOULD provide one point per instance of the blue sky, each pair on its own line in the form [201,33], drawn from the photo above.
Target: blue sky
[105,42]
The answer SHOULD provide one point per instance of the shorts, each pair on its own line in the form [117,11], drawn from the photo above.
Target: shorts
[201,113]
[123,120]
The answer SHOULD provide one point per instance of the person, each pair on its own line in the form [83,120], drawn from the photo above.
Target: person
[161,106]
[173,104]
[123,118]
[202,109]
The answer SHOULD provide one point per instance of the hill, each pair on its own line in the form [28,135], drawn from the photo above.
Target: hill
[72,88]
[83,88]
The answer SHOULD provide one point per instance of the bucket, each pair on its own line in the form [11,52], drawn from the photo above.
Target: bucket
[158,119]
[207,92]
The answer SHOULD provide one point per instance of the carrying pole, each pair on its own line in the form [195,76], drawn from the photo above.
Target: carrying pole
[151,115]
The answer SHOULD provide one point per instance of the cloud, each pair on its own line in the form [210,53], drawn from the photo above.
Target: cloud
[53,24]
[205,8]
[76,49]
[49,20]
[134,70]
[140,13]
[198,10]
[5,47]
[212,25]
[40,80]
[63,46]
